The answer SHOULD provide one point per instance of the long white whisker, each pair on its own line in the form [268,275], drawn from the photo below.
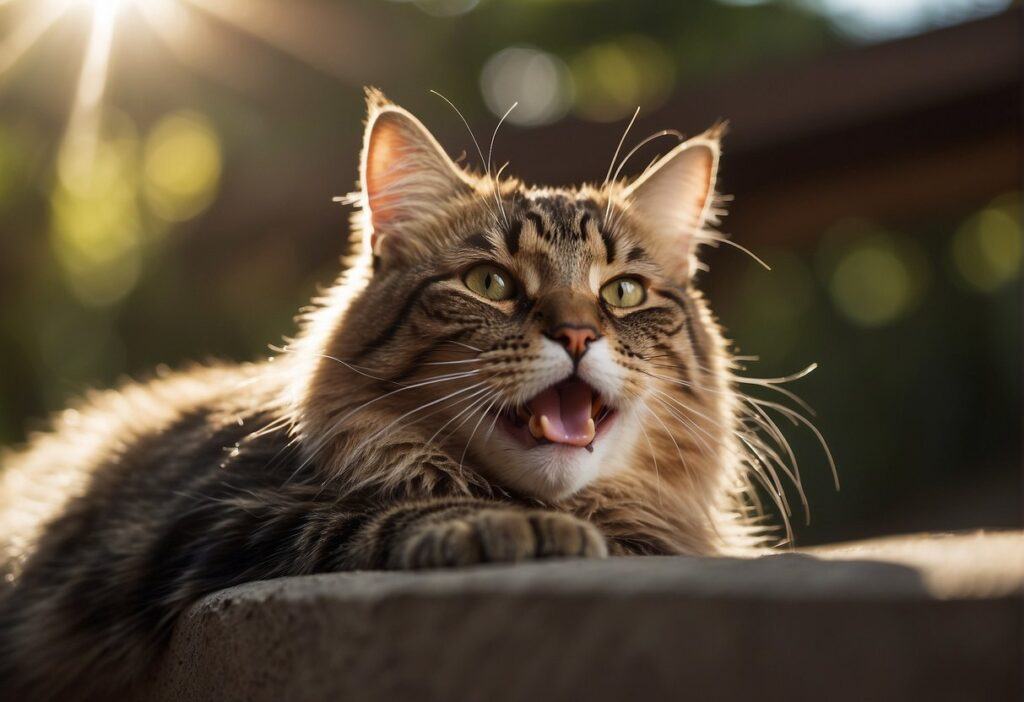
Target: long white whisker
[777,489]
[490,152]
[469,441]
[330,434]
[654,458]
[611,166]
[483,162]
[420,408]
[497,414]
[466,346]
[449,363]
[707,236]
[775,381]
[473,397]
[354,369]
[796,418]
[645,142]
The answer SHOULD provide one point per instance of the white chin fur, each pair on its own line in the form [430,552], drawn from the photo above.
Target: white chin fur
[556,471]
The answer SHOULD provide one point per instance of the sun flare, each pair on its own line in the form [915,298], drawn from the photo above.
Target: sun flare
[181,26]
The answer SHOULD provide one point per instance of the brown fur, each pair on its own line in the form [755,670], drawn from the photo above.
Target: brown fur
[368,443]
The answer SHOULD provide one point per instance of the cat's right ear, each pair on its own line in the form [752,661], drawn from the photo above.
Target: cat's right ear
[404,173]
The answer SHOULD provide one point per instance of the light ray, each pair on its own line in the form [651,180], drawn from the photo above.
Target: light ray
[79,146]
[196,42]
[312,31]
[27,33]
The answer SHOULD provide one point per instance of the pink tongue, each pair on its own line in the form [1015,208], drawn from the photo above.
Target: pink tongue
[566,407]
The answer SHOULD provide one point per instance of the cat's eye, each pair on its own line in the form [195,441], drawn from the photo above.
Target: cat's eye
[490,281]
[624,292]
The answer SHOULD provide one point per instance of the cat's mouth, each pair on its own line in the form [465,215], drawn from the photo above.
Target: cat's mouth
[570,412]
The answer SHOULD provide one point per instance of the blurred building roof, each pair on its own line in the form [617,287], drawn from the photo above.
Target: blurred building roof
[915,126]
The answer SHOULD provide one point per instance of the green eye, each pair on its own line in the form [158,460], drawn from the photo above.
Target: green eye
[490,282]
[624,292]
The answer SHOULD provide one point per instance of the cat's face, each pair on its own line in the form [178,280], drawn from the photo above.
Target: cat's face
[529,332]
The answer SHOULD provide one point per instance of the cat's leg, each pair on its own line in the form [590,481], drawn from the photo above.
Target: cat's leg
[104,617]
[452,532]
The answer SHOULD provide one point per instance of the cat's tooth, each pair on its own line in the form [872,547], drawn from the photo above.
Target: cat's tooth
[545,424]
[591,429]
[596,407]
[537,426]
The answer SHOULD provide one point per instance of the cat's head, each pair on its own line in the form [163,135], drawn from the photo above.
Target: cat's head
[542,336]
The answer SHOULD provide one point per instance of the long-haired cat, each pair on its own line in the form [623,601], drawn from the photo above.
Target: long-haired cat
[502,373]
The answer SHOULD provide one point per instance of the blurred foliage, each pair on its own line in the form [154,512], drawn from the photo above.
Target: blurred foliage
[919,380]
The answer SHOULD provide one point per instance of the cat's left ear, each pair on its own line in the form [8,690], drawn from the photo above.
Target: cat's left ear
[404,174]
[673,198]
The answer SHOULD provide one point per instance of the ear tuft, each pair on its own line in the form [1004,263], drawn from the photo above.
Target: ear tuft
[717,130]
[375,100]
[404,171]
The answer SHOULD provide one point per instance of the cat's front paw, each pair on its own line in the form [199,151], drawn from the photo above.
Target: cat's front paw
[499,536]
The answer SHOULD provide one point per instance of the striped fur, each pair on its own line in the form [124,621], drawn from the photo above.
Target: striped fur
[371,441]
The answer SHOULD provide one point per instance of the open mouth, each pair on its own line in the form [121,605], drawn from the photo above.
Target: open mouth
[570,412]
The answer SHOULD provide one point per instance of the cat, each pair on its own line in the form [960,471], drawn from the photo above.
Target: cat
[501,373]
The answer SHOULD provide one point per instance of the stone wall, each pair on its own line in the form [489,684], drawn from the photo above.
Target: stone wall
[923,617]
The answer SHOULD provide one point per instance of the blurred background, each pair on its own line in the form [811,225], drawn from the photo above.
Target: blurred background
[167,169]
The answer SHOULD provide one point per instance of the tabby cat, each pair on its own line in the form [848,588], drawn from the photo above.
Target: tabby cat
[502,373]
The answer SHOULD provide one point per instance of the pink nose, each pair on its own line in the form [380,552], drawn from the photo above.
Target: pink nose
[574,339]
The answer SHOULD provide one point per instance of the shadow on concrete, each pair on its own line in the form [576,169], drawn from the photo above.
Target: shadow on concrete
[792,625]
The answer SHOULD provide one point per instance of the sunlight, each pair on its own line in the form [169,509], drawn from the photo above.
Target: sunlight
[79,147]
[286,30]
[26,34]
[111,6]
[289,28]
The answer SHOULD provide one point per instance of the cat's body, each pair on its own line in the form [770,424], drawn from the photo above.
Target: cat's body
[479,387]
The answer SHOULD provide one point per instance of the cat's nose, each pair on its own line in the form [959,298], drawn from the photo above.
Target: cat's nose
[571,319]
[574,339]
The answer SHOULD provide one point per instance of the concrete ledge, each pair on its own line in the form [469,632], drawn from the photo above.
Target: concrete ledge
[923,617]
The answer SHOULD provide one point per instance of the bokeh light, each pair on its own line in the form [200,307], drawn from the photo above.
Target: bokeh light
[538,81]
[95,222]
[874,276]
[612,79]
[986,249]
[182,166]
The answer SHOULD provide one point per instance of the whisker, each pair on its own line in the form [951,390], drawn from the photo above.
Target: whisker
[353,368]
[798,418]
[467,346]
[709,237]
[337,425]
[611,166]
[490,152]
[473,396]
[483,162]
[448,363]
[469,441]
[502,407]
[654,459]
[645,142]
[419,408]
